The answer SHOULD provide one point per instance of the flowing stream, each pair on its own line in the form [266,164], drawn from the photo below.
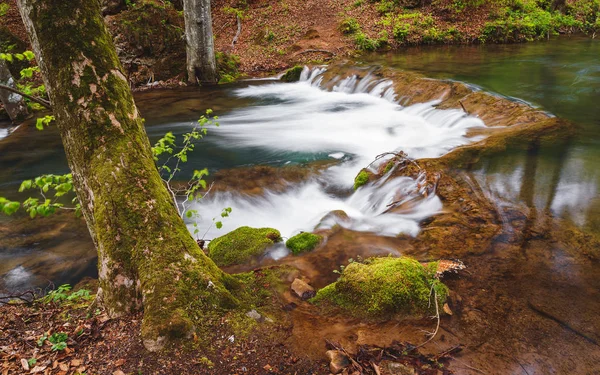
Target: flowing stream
[529,303]
[353,123]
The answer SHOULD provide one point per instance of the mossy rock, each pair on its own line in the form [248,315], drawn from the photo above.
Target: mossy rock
[303,242]
[292,74]
[242,244]
[362,178]
[385,287]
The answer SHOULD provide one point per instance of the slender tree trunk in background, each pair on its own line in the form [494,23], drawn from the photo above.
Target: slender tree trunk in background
[146,256]
[14,104]
[201,64]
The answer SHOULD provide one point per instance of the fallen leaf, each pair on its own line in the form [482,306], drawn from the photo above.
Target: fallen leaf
[75,362]
[63,366]
[118,372]
[24,364]
[38,369]
[120,362]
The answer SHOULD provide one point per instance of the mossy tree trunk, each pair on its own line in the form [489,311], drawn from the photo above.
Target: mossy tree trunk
[14,104]
[200,49]
[146,257]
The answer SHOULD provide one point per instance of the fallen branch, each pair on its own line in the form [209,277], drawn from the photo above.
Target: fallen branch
[239,30]
[563,324]
[20,296]
[40,101]
[316,50]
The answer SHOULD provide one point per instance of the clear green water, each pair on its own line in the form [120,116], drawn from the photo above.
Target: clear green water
[561,76]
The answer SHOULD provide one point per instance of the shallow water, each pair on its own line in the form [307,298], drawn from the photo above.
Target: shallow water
[562,77]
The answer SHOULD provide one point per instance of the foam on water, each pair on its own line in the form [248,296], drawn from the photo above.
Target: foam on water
[357,120]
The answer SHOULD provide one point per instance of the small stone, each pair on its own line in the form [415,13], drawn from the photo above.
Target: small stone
[337,361]
[303,290]
[25,364]
[395,368]
[254,315]
[447,309]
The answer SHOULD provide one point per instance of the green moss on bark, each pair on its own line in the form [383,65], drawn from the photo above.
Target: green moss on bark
[241,245]
[384,287]
[303,242]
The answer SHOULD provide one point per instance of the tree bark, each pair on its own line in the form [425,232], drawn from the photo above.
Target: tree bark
[14,104]
[146,257]
[201,64]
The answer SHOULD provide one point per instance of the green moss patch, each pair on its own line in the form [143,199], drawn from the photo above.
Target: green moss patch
[292,74]
[303,242]
[384,287]
[241,245]
[361,179]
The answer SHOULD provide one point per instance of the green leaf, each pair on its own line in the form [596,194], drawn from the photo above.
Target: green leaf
[219,225]
[11,207]
[29,55]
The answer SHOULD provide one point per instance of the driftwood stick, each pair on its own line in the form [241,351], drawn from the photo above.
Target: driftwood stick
[41,101]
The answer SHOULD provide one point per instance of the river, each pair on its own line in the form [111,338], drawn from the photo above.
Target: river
[529,304]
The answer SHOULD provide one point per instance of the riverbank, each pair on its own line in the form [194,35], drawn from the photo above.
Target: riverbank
[272,36]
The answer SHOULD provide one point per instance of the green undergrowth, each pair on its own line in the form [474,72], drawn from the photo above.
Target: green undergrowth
[228,66]
[451,21]
[383,288]
[303,242]
[241,245]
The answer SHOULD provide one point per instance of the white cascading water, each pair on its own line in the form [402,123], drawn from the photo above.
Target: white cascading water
[355,122]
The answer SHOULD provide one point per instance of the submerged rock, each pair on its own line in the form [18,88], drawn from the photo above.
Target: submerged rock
[302,289]
[383,287]
[241,245]
[292,74]
[303,242]
[337,361]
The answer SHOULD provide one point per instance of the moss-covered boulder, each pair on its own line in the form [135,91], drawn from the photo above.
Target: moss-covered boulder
[292,74]
[303,242]
[384,287]
[242,244]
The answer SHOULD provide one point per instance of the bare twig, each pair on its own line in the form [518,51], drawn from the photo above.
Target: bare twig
[463,107]
[41,101]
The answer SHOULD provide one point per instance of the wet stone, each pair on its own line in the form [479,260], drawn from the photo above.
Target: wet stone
[302,289]
[337,361]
